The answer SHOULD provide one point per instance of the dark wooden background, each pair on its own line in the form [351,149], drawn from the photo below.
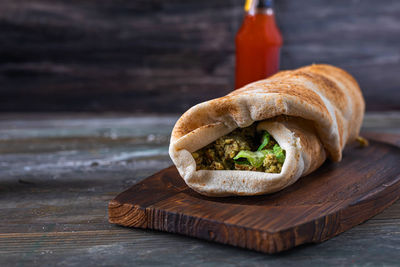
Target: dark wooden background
[165,56]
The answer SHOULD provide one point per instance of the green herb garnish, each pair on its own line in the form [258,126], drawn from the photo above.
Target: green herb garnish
[279,153]
[265,140]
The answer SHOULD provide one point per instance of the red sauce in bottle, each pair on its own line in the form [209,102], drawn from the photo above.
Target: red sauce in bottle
[258,44]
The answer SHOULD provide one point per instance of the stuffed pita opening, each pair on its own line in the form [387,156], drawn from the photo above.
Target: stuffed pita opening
[243,149]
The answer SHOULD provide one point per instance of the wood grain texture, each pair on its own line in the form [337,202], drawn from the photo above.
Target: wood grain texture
[59,171]
[319,206]
[165,56]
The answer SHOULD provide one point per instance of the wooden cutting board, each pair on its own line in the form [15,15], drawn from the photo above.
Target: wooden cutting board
[319,206]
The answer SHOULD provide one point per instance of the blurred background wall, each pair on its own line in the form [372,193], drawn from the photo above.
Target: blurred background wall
[166,55]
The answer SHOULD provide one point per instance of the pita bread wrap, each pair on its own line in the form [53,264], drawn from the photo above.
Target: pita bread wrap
[312,112]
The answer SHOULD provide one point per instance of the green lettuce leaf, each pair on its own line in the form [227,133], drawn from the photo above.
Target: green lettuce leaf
[265,140]
[279,153]
[254,158]
[242,161]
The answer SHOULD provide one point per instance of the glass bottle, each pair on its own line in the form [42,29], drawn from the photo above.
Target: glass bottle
[258,43]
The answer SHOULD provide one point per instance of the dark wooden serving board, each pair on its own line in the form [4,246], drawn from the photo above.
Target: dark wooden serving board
[319,206]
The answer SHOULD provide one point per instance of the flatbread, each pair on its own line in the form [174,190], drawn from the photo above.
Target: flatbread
[312,112]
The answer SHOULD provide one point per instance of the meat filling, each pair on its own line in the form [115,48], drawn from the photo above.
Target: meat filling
[242,149]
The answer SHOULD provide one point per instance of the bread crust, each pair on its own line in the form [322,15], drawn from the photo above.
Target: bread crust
[324,108]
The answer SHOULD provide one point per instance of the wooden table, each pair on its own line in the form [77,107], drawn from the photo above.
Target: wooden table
[58,172]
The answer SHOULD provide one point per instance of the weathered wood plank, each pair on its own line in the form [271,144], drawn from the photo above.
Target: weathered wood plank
[55,212]
[165,56]
[358,246]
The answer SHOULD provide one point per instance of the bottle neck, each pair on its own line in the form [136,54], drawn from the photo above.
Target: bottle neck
[260,7]
[265,11]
